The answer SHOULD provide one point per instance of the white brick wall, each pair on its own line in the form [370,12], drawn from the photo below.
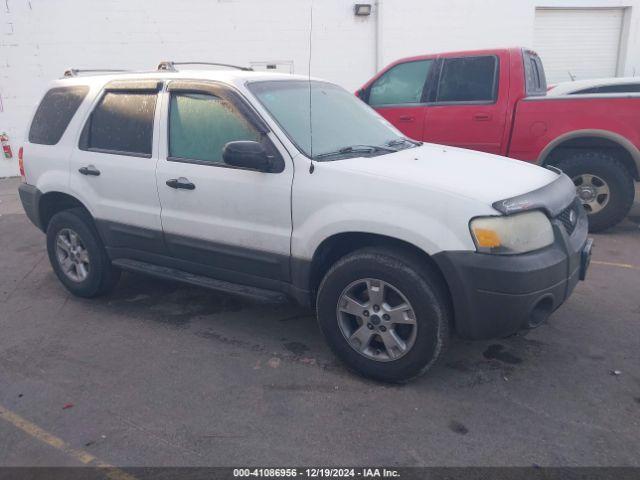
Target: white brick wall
[39,39]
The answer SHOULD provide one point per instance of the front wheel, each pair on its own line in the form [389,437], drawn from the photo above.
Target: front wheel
[384,313]
[603,185]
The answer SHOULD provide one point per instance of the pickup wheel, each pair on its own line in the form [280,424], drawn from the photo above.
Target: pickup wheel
[604,186]
[77,255]
[384,314]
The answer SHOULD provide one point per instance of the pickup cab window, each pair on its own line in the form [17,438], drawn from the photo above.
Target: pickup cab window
[468,79]
[402,84]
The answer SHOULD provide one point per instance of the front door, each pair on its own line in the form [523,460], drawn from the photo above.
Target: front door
[227,222]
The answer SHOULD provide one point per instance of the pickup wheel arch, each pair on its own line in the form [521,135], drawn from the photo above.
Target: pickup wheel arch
[625,151]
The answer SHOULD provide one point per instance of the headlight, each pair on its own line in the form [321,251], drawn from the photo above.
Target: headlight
[519,233]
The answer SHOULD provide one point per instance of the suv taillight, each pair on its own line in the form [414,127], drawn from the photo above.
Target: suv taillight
[21,164]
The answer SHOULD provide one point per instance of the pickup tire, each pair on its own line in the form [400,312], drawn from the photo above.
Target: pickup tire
[384,313]
[78,256]
[604,186]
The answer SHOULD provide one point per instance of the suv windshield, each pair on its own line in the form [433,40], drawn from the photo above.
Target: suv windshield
[341,124]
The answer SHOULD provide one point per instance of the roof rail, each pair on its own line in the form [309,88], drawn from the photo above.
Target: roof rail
[171,66]
[74,72]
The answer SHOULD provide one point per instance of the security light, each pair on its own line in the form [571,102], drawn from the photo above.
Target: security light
[362,9]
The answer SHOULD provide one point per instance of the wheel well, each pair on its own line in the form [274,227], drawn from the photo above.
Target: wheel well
[54,202]
[579,144]
[337,246]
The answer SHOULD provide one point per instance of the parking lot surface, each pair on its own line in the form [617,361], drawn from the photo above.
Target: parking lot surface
[160,374]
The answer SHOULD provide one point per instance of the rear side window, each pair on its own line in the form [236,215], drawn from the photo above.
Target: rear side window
[468,79]
[121,123]
[54,113]
[626,88]
[535,80]
[401,84]
[201,124]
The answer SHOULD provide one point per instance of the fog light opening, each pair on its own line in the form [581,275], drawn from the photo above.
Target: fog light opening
[540,312]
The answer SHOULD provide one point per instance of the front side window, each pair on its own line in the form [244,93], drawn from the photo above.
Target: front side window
[54,113]
[325,121]
[468,79]
[201,124]
[401,84]
[122,123]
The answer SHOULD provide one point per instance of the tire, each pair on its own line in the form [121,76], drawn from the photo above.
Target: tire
[604,211]
[404,279]
[100,276]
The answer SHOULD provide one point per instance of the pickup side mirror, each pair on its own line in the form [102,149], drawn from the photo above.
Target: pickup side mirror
[246,154]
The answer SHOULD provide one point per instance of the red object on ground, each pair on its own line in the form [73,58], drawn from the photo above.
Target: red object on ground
[66,406]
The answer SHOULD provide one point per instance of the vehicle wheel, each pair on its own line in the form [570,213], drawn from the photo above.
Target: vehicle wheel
[604,186]
[383,315]
[77,255]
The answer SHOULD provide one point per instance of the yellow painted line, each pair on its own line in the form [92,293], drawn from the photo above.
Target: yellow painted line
[613,264]
[45,437]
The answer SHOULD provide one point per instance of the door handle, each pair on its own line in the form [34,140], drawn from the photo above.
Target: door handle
[89,170]
[481,117]
[407,119]
[182,183]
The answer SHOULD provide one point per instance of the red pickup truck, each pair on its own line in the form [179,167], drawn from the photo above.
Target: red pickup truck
[495,101]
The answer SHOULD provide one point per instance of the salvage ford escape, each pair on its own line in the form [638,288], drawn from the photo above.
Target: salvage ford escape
[282,186]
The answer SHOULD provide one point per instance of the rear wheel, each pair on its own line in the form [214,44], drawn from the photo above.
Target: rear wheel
[77,255]
[384,314]
[604,186]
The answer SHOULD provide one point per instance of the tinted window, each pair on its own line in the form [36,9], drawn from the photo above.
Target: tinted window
[627,88]
[535,80]
[200,125]
[122,122]
[467,79]
[54,113]
[404,83]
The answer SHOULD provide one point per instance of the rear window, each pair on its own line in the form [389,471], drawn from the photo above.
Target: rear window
[54,113]
[122,123]
[468,79]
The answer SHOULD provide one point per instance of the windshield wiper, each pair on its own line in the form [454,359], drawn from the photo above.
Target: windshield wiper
[357,149]
[401,141]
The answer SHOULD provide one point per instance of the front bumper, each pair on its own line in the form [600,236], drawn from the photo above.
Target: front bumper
[498,295]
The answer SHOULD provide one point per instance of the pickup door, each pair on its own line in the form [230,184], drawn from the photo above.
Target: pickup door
[452,100]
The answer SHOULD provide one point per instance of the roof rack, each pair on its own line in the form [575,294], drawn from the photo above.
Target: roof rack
[171,66]
[74,72]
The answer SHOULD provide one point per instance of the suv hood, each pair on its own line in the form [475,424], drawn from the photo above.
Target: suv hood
[481,176]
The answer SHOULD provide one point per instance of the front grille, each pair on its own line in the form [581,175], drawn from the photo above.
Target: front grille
[565,216]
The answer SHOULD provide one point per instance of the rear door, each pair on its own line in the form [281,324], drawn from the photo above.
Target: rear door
[399,95]
[467,108]
[112,170]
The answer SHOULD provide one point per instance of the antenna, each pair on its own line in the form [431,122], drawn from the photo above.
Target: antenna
[311,167]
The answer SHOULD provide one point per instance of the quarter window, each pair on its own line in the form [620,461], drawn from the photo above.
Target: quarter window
[122,123]
[200,125]
[468,79]
[402,84]
[54,113]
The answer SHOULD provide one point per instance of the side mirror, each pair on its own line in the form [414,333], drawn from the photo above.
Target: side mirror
[246,154]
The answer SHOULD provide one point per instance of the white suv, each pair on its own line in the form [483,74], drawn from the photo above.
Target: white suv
[277,185]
